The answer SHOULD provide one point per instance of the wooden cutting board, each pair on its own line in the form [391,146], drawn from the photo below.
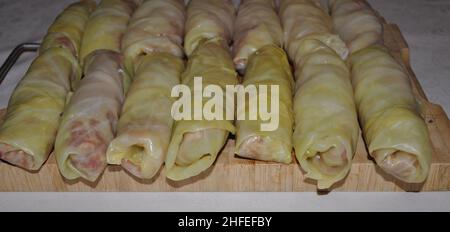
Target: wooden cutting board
[232,174]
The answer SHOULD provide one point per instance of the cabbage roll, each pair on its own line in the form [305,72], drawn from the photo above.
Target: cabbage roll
[89,120]
[395,133]
[153,52]
[28,131]
[356,23]
[305,19]
[145,125]
[195,144]
[326,124]
[257,24]
[68,28]
[156,26]
[268,66]
[106,26]
[208,19]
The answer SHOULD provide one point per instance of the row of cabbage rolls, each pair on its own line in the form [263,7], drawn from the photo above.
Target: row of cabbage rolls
[100,90]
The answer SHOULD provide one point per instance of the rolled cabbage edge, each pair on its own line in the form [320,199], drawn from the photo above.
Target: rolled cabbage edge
[306,19]
[89,120]
[268,66]
[208,19]
[210,58]
[68,28]
[390,115]
[36,104]
[356,23]
[106,26]
[145,122]
[152,51]
[157,26]
[257,24]
[325,114]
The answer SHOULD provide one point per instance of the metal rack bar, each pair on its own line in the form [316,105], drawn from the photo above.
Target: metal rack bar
[14,56]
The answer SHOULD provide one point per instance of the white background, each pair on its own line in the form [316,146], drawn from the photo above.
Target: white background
[426,27]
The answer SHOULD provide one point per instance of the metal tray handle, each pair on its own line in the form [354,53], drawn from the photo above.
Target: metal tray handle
[14,56]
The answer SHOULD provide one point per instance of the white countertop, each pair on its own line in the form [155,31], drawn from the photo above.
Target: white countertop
[423,23]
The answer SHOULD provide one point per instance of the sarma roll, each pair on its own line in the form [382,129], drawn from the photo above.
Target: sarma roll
[195,144]
[268,66]
[106,25]
[156,26]
[208,19]
[326,123]
[89,120]
[395,133]
[145,125]
[33,115]
[305,19]
[68,28]
[152,48]
[356,23]
[257,24]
